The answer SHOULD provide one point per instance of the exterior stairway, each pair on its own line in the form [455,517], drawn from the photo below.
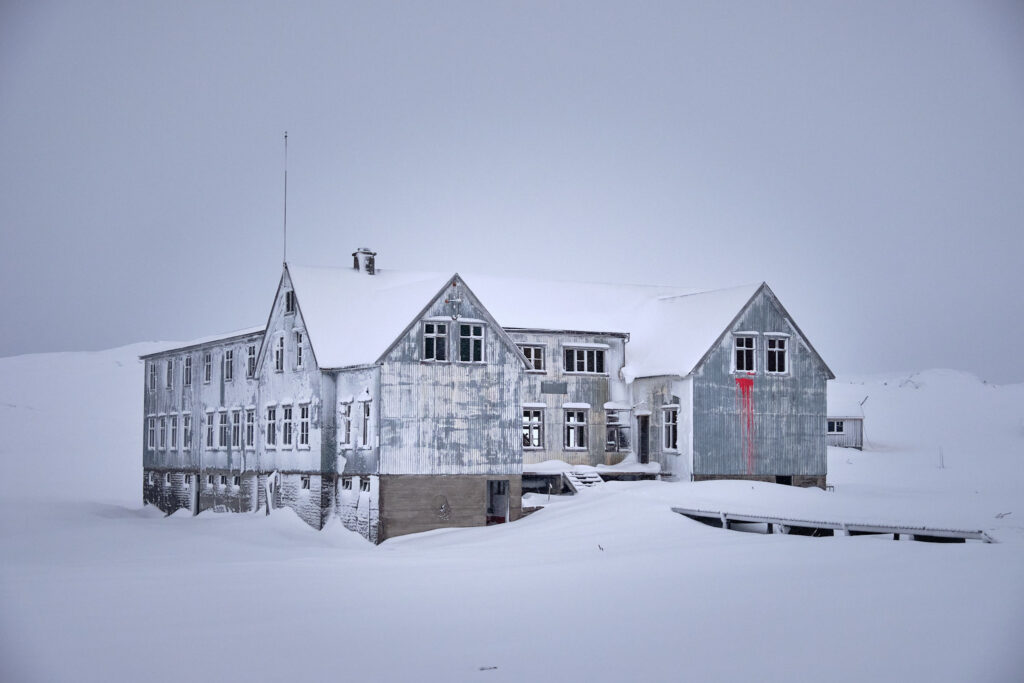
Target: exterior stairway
[582,479]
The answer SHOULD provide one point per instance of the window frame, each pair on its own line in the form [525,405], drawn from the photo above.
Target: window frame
[210,443]
[835,427]
[151,432]
[170,373]
[207,367]
[578,427]
[298,350]
[271,435]
[434,336]
[223,429]
[304,416]
[186,372]
[538,352]
[289,302]
[472,343]
[622,429]
[533,429]
[227,364]
[345,415]
[599,359]
[749,353]
[304,482]
[250,429]
[186,432]
[670,428]
[364,484]
[365,426]
[279,354]
[287,435]
[250,361]
[236,428]
[770,354]
[162,425]
[173,428]
[152,375]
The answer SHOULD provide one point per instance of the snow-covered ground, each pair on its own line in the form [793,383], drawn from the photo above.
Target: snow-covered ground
[608,585]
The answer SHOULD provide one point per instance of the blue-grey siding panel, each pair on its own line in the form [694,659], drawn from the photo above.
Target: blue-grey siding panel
[781,430]
[356,455]
[451,417]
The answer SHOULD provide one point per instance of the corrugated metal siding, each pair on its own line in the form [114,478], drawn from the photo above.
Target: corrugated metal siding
[788,411]
[852,436]
[451,417]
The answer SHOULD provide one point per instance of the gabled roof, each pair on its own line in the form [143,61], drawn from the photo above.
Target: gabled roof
[352,317]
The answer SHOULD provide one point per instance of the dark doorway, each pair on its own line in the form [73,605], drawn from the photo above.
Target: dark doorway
[643,435]
[497,501]
[787,480]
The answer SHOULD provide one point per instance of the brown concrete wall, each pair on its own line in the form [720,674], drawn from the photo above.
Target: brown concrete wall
[414,503]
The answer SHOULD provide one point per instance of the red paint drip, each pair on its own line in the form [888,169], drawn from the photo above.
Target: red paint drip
[745,386]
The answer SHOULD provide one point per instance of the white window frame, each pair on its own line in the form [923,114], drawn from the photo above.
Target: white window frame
[228,365]
[207,367]
[223,429]
[471,342]
[149,478]
[434,331]
[186,378]
[749,353]
[210,432]
[250,429]
[575,425]
[298,350]
[188,481]
[836,426]
[585,358]
[163,432]
[771,354]
[271,427]
[365,427]
[167,477]
[151,432]
[236,428]
[186,432]
[345,418]
[174,432]
[534,353]
[152,375]
[303,425]
[364,484]
[621,428]
[250,362]
[279,354]
[346,483]
[170,373]
[533,429]
[670,428]
[304,481]
[287,437]
[223,480]
[289,302]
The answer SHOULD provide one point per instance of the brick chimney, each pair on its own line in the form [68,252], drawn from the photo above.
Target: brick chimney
[362,259]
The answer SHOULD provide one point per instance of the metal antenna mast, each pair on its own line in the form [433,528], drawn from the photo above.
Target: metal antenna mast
[285,250]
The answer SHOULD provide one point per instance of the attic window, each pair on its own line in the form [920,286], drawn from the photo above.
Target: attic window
[289,301]
[744,352]
[835,426]
[776,361]
[435,336]
[471,343]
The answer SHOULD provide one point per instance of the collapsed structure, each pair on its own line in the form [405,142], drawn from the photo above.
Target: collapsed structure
[403,401]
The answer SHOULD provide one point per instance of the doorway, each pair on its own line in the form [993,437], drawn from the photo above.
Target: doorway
[643,435]
[497,501]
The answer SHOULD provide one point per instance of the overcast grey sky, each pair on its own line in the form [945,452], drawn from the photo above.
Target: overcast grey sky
[865,159]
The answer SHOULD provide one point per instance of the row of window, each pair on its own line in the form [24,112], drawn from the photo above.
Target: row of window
[776,354]
[471,342]
[577,360]
[227,368]
[575,432]
[226,429]
[345,432]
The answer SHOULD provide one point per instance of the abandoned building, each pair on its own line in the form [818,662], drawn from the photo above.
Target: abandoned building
[404,401]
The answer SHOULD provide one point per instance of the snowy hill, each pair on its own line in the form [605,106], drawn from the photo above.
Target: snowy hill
[604,586]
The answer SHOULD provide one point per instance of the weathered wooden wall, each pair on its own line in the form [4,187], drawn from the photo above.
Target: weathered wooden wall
[852,436]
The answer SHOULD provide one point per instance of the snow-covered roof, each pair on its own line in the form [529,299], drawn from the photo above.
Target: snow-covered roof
[210,339]
[846,400]
[352,317]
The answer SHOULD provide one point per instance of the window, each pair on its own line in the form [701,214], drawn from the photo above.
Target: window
[298,349]
[167,477]
[345,423]
[151,433]
[435,336]
[584,360]
[776,352]
[289,301]
[346,483]
[236,480]
[366,424]
[364,483]
[223,480]
[286,426]
[149,478]
[229,365]
[163,433]
[236,428]
[207,367]
[305,482]
[186,432]
[304,425]
[170,374]
[152,375]
[744,354]
[279,355]
[174,431]
[471,343]
[616,430]
[533,428]
[271,426]
[835,427]
[209,430]
[222,441]
[670,427]
[250,428]
[575,429]
[188,480]
[187,373]
[535,357]
[209,480]
[250,365]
